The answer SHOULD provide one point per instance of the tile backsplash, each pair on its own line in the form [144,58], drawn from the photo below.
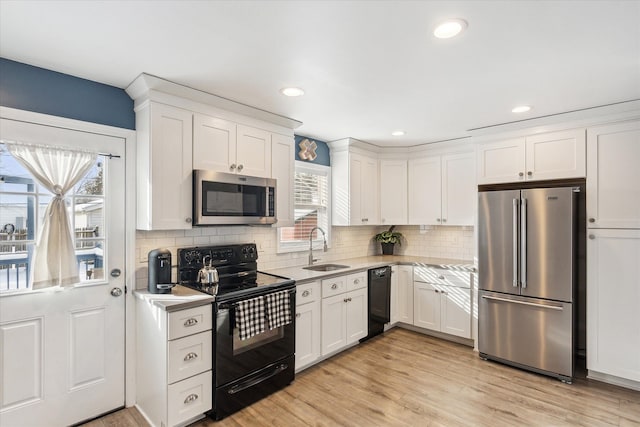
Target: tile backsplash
[346,242]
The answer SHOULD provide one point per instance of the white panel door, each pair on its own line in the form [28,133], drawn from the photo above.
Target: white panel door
[283,170]
[307,334]
[355,196]
[370,193]
[405,294]
[426,306]
[334,320]
[613,179]
[556,155]
[501,161]
[62,350]
[253,152]
[393,192]
[425,191]
[357,315]
[455,311]
[459,191]
[214,143]
[613,299]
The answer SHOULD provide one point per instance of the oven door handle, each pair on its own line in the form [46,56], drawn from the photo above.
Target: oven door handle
[257,380]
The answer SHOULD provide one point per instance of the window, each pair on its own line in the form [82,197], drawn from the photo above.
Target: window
[22,206]
[311,209]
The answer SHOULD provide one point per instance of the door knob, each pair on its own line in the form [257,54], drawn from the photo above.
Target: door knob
[116,292]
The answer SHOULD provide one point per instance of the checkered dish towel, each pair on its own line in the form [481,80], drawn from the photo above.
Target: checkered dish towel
[250,317]
[278,309]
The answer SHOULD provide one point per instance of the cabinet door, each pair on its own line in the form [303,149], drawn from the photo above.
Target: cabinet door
[405,294]
[426,306]
[458,189]
[370,192]
[356,167]
[455,311]
[307,334]
[214,143]
[613,298]
[425,191]
[167,183]
[613,179]
[253,152]
[334,321]
[501,161]
[394,294]
[357,315]
[283,169]
[556,155]
[393,192]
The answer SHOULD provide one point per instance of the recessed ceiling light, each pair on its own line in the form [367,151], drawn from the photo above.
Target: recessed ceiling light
[450,28]
[397,133]
[292,91]
[521,109]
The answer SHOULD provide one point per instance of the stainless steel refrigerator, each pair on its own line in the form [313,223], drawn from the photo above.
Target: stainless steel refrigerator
[526,277]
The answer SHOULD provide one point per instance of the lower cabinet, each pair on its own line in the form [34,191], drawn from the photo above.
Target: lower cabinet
[402,294]
[174,363]
[307,324]
[442,301]
[344,311]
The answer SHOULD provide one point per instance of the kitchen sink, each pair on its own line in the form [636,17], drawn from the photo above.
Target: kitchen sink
[325,267]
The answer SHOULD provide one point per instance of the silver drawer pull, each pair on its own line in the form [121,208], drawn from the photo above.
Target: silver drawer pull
[441,277]
[190,322]
[190,356]
[334,286]
[297,314]
[356,281]
[306,293]
[191,398]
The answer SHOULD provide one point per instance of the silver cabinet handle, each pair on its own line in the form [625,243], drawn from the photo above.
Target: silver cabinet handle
[523,241]
[298,315]
[232,166]
[437,291]
[190,322]
[521,174]
[191,398]
[592,220]
[190,356]
[529,173]
[188,220]
[444,219]
[438,219]
[441,277]
[349,299]
[346,300]
[240,167]
[592,236]
[515,243]
[306,293]
[334,286]
[356,281]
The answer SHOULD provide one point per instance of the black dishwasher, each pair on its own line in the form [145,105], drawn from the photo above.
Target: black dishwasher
[379,300]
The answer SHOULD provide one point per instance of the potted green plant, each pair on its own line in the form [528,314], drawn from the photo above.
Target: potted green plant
[388,239]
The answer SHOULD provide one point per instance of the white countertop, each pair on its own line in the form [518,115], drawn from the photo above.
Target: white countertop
[300,275]
[180,298]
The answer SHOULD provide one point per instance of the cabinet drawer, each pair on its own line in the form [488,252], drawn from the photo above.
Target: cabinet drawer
[334,286]
[189,398]
[309,292]
[356,281]
[190,321]
[441,276]
[189,356]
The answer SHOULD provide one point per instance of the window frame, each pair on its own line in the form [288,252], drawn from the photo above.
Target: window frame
[303,246]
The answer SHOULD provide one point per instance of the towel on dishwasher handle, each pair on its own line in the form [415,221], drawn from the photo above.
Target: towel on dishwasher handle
[278,309]
[250,317]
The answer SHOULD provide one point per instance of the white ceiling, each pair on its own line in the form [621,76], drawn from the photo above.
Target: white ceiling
[367,67]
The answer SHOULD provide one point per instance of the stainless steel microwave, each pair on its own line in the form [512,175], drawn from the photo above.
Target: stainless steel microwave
[227,199]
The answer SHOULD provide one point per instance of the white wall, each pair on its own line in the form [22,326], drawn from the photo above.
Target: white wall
[347,242]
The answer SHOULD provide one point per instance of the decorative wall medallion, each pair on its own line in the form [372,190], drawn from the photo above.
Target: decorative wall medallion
[307,150]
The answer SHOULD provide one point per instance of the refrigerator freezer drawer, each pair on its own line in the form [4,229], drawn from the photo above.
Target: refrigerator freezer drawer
[527,332]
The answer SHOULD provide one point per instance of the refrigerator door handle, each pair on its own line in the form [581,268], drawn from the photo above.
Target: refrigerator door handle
[515,243]
[551,307]
[523,242]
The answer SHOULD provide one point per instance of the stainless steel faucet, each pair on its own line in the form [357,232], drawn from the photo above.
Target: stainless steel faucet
[324,237]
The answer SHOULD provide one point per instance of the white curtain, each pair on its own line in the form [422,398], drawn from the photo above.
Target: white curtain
[58,170]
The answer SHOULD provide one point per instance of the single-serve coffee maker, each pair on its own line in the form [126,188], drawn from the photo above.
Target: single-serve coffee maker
[160,271]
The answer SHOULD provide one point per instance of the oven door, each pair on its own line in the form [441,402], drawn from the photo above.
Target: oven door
[235,358]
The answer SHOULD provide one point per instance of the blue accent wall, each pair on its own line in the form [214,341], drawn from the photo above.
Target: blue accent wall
[30,88]
[322,151]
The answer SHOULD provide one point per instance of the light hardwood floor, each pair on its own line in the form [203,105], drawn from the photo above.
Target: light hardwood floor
[407,379]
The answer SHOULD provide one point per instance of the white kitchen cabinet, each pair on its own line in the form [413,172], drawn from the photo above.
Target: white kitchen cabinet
[553,155]
[442,300]
[613,175]
[174,363]
[354,183]
[253,152]
[442,190]
[613,299]
[344,313]
[307,324]
[283,170]
[393,192]
[164,167]
[404,295]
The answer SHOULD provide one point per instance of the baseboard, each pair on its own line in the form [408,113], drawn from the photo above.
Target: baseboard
[464,341]
[612,379]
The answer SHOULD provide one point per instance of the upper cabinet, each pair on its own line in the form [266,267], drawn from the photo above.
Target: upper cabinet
[354,185]
[393,192]
[283,170]
[222,146]
[554,155]
[442,190]
[613,180]
[164,166]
